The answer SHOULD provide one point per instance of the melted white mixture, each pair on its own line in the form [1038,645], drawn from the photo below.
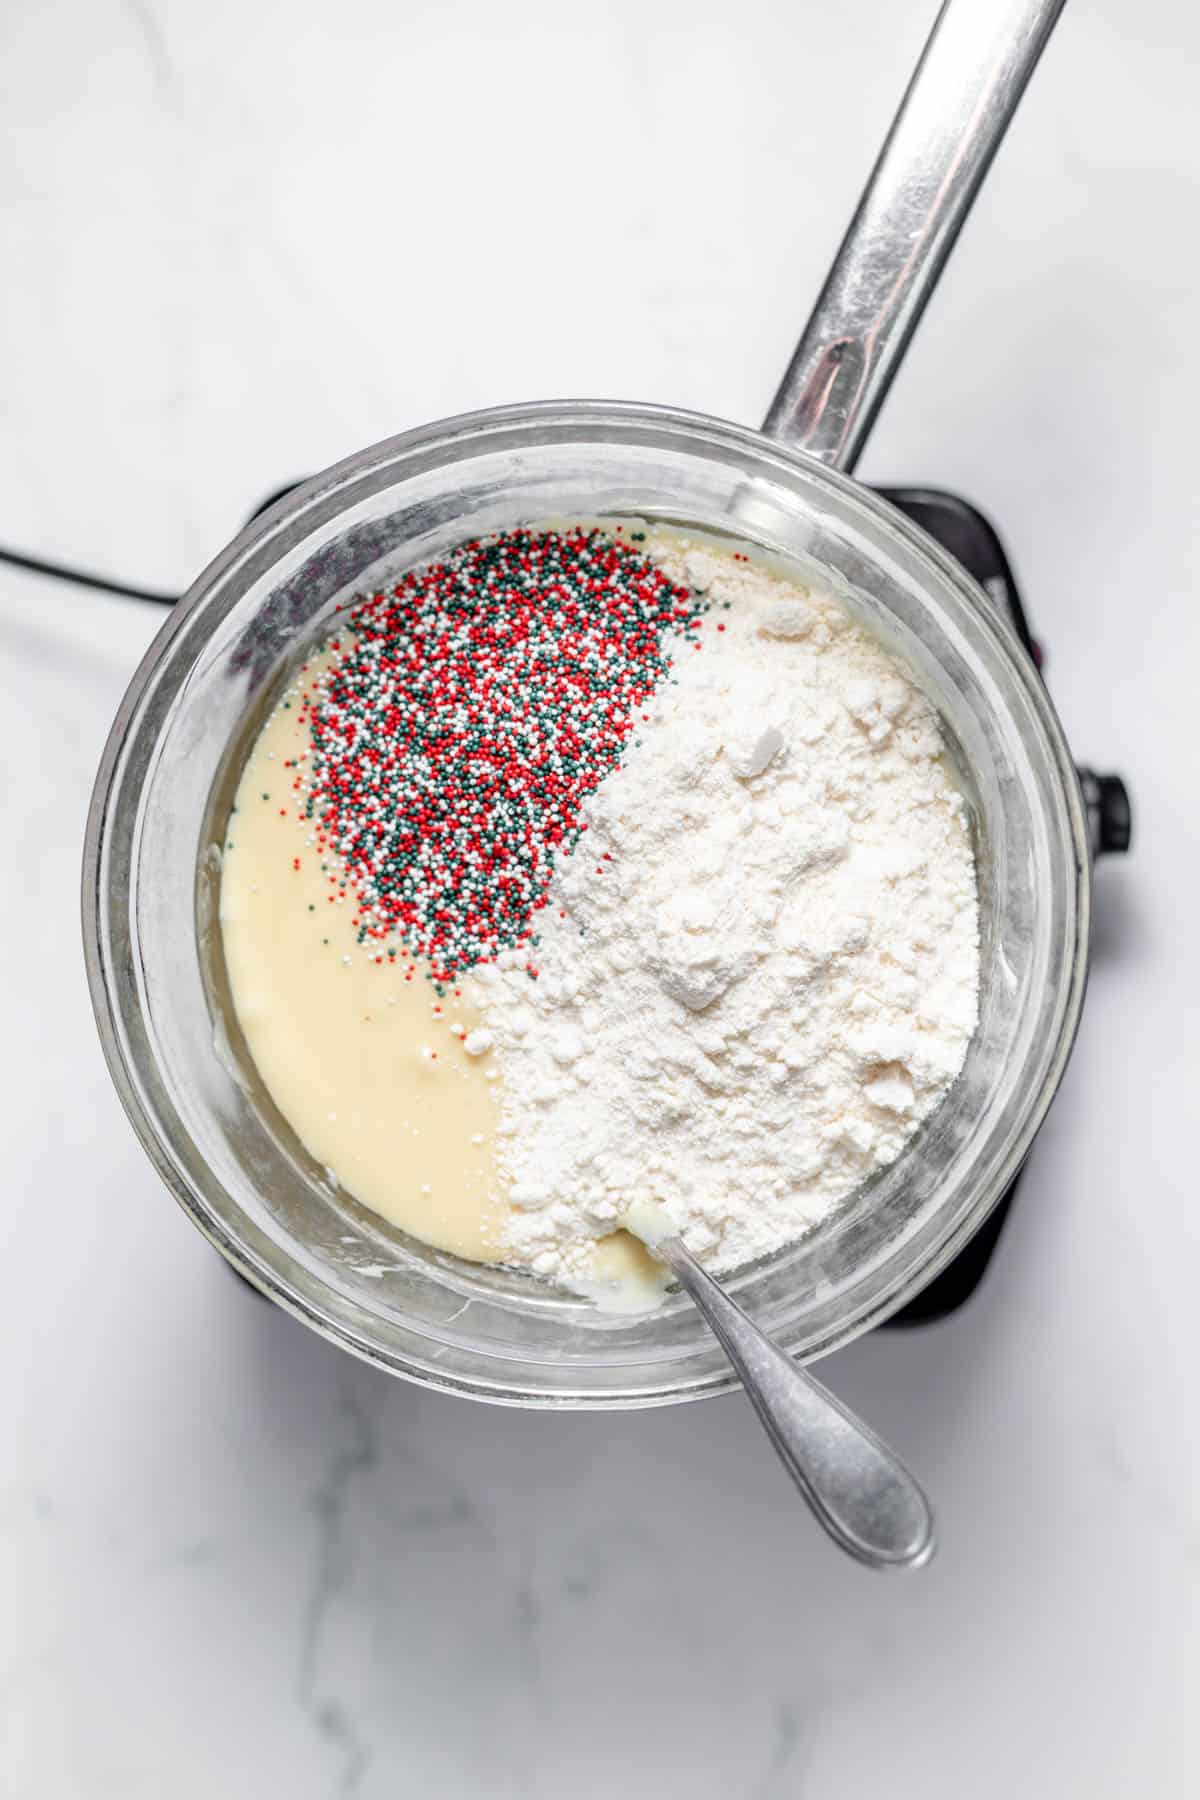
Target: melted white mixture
[758,973]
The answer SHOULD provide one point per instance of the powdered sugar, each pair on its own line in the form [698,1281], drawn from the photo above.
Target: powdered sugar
[758,972]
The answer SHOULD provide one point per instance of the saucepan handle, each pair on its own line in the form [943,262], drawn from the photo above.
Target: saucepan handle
[965,90]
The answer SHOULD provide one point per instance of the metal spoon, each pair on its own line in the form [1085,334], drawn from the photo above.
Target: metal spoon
[857,1488]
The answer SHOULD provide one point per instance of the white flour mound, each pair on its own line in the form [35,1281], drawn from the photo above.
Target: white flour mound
[774,979]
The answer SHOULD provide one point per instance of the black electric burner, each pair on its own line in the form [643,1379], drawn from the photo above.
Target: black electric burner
[971,539]
[962,530]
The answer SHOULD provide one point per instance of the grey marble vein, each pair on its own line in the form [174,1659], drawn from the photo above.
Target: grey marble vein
[348,1462]
[154,38]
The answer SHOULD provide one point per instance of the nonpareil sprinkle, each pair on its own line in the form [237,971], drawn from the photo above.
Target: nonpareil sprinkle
[473,709]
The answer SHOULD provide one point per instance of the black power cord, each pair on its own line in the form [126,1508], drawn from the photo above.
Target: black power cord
[38,565]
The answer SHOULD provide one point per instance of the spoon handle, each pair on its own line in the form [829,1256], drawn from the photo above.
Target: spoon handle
[858,1489]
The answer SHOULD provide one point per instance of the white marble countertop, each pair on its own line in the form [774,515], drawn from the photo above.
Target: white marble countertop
[244,241]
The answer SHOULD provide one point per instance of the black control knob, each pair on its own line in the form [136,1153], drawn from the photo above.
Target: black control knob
[1110,816]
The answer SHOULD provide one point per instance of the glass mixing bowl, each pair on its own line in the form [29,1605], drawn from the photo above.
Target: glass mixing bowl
[152,869]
